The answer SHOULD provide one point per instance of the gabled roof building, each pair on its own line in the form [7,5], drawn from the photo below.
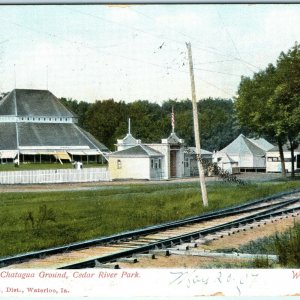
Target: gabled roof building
[165,160]
[244,153]
[35,124]
[135,160]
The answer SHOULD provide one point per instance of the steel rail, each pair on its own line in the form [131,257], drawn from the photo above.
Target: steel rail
[169,242]
[233,210]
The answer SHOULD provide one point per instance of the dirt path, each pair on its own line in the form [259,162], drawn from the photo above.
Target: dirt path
[252,177]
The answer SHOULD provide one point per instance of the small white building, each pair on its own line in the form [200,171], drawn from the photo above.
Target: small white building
[244,155]
[134,160]
[273,164]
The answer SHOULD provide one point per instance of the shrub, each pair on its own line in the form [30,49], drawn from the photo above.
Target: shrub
[288,247]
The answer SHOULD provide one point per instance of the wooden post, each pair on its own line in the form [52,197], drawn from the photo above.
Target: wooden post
[196,129]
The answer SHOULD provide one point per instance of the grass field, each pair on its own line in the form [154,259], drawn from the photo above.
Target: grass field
[34,220]
[44,166]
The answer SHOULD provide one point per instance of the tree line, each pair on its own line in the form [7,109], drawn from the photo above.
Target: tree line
[107,120]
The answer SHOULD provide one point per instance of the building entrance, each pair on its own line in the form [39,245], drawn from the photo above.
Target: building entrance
[173,163]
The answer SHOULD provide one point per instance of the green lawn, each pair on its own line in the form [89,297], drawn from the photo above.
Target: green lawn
[44,166]
[33,220]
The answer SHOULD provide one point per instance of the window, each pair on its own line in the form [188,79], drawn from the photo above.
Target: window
[152,163]
[186,163]
[119,164]
[156,163]
[275,159]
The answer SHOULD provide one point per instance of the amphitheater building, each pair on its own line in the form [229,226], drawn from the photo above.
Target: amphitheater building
[36,127]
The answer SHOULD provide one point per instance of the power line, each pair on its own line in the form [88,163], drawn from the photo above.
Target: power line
[214,62]
[233,43]
[208,49]
[218,72]
[51,35]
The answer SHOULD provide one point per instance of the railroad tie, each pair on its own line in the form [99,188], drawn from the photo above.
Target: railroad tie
[180,247]
[261,223]
[130,260]
[99,265]
[200,241]
[161,252]
[145,255]
[192,245]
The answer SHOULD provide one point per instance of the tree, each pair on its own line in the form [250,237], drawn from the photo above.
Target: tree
[253,107]
[103,118]
[217,123]
[286,97]
[79,108]
[269,103]
[147,120]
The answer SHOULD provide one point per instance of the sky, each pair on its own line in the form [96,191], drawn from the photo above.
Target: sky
[138,52]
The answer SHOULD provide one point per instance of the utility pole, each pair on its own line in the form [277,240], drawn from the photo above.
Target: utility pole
[196,129]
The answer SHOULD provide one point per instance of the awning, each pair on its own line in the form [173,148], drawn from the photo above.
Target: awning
[37,152]
[84,152]
[76,152]
[62,156]
[91,152]
[8,154]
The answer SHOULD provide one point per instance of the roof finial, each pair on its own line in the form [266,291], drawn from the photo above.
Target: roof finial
[128,125]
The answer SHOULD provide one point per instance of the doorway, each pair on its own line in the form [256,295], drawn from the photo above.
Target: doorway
[173,163]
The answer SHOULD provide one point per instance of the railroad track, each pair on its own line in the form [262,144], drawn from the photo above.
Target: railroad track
[158,239]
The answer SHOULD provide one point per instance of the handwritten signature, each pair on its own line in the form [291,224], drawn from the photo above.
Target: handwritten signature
[192,278]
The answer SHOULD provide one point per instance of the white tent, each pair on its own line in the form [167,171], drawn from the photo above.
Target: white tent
[247,154]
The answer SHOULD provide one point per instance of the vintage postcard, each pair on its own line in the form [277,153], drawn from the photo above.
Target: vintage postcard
[149,150]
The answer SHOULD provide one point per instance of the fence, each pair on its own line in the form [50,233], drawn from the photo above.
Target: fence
[54,176]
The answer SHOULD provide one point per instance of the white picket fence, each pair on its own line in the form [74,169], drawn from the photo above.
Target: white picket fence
[54,176]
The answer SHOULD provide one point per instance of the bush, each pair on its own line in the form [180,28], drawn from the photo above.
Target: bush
[288,247]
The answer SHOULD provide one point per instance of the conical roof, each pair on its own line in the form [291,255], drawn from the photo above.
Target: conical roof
[262,143]
[27,102]
[28,132]
[243,146]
